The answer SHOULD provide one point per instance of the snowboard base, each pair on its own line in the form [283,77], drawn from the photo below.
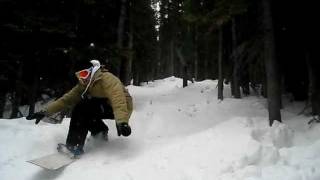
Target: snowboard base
[53,161]
[56,160]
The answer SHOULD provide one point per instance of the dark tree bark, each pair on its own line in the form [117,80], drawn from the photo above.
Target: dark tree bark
[311,78]
[32,98]
[236,65]
[136,79]
[184,67]
[171,59]
[196,55]
[220,59]
[205,70]
[130,58]
[185,76]
[158,72]
[2,103]
[17,95]
[125,67]
[16,100]
[136,74]
[34,91]
[121,24]
[314,85]
[316,97]
[272,71]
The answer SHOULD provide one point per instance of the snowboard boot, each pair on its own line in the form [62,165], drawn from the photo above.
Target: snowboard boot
[75,151]
[101,135]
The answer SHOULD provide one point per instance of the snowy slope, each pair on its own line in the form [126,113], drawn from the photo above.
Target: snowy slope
[178,134]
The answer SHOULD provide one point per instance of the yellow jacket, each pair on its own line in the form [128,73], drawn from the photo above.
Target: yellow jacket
[103,85]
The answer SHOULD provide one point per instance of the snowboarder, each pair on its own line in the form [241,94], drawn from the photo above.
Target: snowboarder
[98,95]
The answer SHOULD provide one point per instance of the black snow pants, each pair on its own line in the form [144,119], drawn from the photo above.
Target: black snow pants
[87,116]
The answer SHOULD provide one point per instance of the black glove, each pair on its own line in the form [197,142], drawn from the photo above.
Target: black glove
[38,116]
[123,129]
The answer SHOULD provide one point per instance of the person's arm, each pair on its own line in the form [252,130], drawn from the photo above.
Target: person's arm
[67,100]
[113,90]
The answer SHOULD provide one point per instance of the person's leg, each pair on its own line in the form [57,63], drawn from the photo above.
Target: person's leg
[88,115]
[100,110]
[97,126]
[78,127]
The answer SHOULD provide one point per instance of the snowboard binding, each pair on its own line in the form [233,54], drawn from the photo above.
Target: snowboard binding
[73,151]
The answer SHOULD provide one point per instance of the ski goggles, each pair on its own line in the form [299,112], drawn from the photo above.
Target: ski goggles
[84,74]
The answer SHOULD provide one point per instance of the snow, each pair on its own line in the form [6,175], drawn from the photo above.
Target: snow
[179,134]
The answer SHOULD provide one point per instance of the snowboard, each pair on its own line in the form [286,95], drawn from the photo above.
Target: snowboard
[55,161]
[56,118]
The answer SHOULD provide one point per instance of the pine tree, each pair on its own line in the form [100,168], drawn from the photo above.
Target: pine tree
[272,71]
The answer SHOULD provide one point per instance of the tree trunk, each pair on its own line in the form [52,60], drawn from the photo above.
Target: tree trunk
[158,63]
[125,70]
[220,58]
[171,58]
[130,47]
[2,103]
[263,90]
[125,65]
[136,75]
[272,71]
[17,95]
[33,92]
[205,73]
[316,94]
[311,83]
[236,65]
[32,99]
[16,99]
[196,66]
[129,58]
[314,85]
[185,76]
[121,24]
[195,54]
[184,67]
